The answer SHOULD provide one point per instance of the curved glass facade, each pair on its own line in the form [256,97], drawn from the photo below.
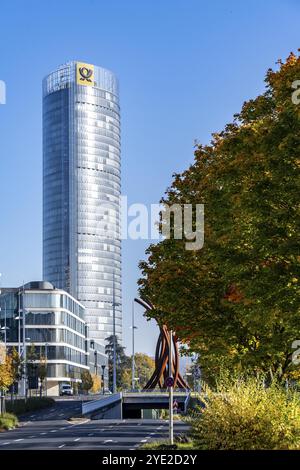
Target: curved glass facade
[81,191]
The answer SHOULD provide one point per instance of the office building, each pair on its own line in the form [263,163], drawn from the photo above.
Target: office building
[81,191]
[55,333]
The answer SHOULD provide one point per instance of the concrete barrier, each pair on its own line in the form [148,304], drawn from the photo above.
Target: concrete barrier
[107,407]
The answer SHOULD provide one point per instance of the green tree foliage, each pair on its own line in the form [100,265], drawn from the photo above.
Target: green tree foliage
[236,301]
[144,367]
[6,373]
[16,364]
[86,381]
[122,361]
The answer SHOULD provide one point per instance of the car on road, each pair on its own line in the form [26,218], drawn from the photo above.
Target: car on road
[66,389]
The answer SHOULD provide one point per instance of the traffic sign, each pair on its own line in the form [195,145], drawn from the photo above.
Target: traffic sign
[170,382]
[175,405]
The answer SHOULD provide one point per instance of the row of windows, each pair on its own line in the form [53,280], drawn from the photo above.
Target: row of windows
[56,335]
[37,300]
[55,318]
[60,353]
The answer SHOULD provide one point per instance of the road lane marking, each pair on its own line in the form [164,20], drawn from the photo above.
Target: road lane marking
[143,440]
[18,440]
[53,430]
[5,443]
[108,440]
[91,434]
[60,447]
[77,439]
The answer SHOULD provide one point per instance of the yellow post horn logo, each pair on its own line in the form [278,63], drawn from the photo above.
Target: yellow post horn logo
[84,74]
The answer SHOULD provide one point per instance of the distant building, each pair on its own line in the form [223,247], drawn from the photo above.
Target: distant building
[55,331]
[81,191]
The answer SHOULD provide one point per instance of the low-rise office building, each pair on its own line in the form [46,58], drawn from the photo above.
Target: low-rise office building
[50,323]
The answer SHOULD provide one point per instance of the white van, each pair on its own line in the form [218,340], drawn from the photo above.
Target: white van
[66,389]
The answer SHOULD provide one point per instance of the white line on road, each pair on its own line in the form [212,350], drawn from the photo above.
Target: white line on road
[61,446]
[5,443]
[53,430]
[143,440]
[108,440]
[18,440]
[77,439]
[91,434]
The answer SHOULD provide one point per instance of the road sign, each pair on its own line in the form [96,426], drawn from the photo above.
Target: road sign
[170,382]
[175,405]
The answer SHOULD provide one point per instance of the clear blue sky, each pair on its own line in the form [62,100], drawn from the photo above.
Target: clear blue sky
[185,67]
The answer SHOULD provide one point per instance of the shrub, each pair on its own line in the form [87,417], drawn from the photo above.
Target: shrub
[8,421]
[165,445]
[247,415]
[19,406]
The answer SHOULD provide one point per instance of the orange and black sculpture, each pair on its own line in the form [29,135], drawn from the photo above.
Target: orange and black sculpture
[162,363]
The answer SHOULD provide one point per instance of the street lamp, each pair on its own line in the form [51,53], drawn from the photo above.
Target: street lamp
[114,305]
[22,317]
[103,369]
[133,350]
[46,366]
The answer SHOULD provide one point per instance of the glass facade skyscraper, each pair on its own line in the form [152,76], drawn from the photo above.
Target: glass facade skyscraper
[81,191]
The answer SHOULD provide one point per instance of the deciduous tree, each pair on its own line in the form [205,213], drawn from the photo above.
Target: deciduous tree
[236,301]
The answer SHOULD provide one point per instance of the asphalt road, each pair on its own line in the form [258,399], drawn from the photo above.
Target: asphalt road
[49,429]
[63,408]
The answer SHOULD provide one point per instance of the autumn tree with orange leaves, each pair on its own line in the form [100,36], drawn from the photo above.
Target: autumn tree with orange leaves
[236,301]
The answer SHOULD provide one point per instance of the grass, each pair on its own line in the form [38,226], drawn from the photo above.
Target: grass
[8,421]
[19,406]
[165,445]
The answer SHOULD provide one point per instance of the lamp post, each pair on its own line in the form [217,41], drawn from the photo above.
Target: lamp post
[103,385]
[133,350]
[22,317]
[114,339]
[46,366]
[171,424]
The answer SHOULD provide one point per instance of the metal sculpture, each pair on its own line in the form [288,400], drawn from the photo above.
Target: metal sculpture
[162,364]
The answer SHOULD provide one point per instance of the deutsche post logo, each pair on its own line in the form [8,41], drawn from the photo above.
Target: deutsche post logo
[84,74]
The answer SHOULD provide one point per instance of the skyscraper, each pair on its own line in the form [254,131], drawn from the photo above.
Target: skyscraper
[81,190]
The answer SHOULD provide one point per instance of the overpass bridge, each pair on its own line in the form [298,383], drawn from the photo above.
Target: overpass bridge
[130,405]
